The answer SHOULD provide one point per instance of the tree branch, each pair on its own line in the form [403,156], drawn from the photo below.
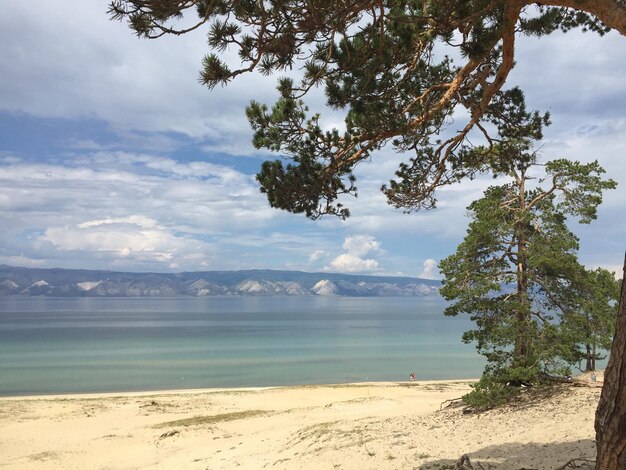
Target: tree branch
[611,12]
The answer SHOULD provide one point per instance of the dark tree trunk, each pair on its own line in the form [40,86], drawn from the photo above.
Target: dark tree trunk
[590,357]
[593,357]
[611,413]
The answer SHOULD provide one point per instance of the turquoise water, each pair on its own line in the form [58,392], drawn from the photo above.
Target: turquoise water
[50,345]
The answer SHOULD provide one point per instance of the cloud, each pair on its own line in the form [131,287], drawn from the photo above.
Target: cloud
[430,270]
[357,247]
[131,84]
[317,255]
[137,211]
[145,95]
[108,209]
[361,245]
[206,196]
[348,263]
[121,239]
[138,220]
[546,67]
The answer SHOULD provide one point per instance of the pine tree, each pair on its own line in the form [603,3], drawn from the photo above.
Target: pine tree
[590,314]
[517,265]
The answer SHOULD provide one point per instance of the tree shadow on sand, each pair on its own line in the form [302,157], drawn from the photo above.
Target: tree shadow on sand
[519,456]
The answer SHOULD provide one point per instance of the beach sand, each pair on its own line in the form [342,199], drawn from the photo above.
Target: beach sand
[356,426]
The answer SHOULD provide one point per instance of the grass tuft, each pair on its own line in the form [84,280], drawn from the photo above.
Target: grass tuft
[212,419]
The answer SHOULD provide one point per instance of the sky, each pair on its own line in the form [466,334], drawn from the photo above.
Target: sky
[113,156]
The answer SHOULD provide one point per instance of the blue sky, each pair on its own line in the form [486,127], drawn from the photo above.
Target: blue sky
[112,156]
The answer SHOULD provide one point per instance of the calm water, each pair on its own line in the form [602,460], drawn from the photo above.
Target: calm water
[101,344]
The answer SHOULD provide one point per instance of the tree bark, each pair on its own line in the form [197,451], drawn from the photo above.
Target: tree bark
[611,413]
[593,357]
[521,349]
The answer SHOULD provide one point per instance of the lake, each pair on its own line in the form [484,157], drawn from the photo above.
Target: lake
[78,345]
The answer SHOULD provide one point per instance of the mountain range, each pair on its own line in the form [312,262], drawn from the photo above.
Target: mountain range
[91,283]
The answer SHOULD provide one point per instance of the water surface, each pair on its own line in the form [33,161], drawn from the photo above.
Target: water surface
[54,345]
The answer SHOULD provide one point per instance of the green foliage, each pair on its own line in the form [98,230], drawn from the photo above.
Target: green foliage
[516,272]
[584,187]
[376,62]
[489,392]
[589,317]
[214,71]
[306,185]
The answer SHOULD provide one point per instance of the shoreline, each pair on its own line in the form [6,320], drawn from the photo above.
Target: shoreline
[363,425]
[196,391]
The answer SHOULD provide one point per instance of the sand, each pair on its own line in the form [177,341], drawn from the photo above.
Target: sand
[357,426]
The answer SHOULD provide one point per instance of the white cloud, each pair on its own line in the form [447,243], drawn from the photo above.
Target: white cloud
[138,220]
[127,241]
[121,242]
[351,264]
[430,269]
[137,211]
[210,198]
[357,247]
[361,245]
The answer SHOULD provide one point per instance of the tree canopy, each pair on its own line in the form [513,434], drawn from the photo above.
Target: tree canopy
[589,317]
[516,273]
[386,64]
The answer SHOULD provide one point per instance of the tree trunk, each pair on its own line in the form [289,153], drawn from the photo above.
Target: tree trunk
[611,413]
[521,348]
[588,365]
[593,357]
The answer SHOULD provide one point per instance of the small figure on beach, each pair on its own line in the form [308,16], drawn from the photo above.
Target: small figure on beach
[593,377]
[412,376]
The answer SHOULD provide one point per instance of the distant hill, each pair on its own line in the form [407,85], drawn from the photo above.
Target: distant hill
[86,283]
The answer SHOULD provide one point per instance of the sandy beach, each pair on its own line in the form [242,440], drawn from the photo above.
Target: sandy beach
[355,426]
